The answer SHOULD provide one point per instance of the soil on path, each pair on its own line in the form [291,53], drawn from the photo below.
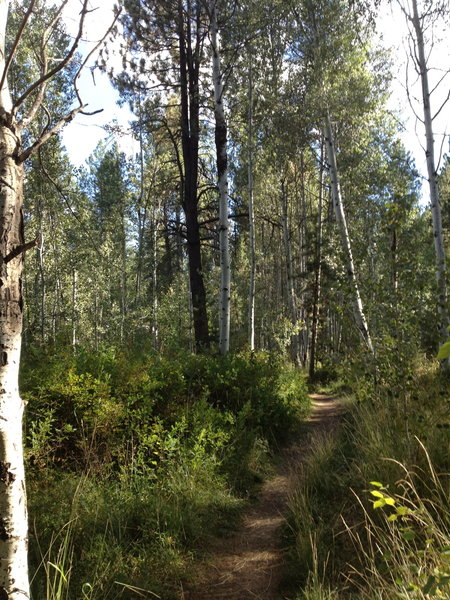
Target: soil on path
[248,566]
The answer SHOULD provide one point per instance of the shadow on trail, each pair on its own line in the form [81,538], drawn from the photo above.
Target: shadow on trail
[325,407]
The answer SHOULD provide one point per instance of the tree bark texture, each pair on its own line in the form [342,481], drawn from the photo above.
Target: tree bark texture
[222,177]
[14,583]
[346,244]
[13,507]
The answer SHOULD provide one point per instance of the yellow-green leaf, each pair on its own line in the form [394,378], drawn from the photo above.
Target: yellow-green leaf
[402,510]
[444,351]
[377,494]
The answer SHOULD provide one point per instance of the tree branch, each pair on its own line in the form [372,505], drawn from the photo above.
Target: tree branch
[94,49]
[16,43]
[22,249]
[441,107]
[44,65]
[60,65]
[45,136]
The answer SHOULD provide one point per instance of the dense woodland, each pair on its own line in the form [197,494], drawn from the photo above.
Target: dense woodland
[271,236]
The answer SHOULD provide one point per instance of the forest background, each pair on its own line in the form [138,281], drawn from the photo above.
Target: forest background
[267,232]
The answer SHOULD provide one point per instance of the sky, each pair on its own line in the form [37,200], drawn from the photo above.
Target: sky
[83,134]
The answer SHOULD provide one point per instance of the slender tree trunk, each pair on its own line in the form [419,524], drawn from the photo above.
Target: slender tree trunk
[439,247]
[342,223]
[40,255]
[178,240]
[140,255]
[96,344]
[251,212]
[56,311]
[123,282]
[318,275]
[155,330]
[289,269]
[169,262]
[394,263]
[74,307]
[40,282]
[222,176]
[304,246]
[263,268]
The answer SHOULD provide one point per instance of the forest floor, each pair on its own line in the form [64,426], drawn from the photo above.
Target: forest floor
[249,565]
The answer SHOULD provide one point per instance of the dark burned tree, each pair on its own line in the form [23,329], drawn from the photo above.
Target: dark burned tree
[172,36]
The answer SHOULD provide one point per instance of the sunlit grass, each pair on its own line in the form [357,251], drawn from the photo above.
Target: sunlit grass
[345,545]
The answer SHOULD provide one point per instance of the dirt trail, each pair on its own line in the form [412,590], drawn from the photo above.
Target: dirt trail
[248,565]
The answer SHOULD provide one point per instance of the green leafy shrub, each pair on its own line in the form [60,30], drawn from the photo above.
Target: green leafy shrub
[144,456]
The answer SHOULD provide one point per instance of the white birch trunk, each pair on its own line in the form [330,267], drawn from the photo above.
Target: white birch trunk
[123,282]
[14,583]
[13,510]
[40,255]
[304,250]
[74,307]
[439,247]
[342,223]
[318,273]
[251,213]
[222,173]
[290,269]
[155,330]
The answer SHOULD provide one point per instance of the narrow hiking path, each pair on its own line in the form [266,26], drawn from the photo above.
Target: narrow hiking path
[248,565]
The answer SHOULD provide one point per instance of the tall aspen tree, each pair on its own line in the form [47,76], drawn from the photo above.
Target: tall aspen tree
[16,114]
[339,212]
[318,269]
[289,267]
[251,208]
[419,56]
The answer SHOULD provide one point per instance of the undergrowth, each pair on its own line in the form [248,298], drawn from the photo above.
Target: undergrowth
[370,517]
[133,461]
